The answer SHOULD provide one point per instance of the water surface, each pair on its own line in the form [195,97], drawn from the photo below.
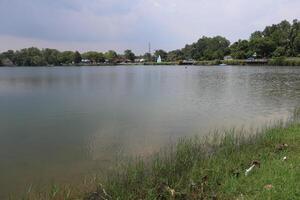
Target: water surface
[65,122]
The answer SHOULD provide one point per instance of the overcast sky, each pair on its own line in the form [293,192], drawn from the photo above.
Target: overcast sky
[120,24]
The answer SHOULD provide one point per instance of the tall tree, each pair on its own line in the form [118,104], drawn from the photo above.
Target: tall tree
[207,48]
[163,54]
[66,57]
[240,49]
[93,56]
[51,56]
[175,55]
[148,57]
[128,54]
[111,56]
[263,47]
[77,57]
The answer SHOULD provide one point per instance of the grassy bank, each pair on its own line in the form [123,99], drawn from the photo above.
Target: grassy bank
[211,168]
[282,61]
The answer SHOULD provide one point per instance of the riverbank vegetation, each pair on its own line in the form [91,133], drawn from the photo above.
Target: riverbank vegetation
[278,43]
[229,165]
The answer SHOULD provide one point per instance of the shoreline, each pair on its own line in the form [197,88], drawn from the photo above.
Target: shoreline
[262,166]
[284,62]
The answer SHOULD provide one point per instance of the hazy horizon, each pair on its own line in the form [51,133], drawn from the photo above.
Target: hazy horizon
[102,25]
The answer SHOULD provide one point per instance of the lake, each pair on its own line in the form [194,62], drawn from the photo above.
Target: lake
[59,124]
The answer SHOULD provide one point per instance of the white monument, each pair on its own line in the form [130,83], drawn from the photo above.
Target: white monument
[158,59]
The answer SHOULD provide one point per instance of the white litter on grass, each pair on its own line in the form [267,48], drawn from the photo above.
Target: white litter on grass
[249,170]
[284,158]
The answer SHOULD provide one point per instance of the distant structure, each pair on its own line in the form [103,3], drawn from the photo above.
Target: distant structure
[228,58]
[87,61]
[149,52]
[149,48]
[158,59]
[139,60]
[255,55]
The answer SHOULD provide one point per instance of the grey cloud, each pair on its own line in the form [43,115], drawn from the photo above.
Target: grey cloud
[167,24]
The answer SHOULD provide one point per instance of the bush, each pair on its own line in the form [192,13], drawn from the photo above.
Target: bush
[283,61]
[279,61]
[234,62]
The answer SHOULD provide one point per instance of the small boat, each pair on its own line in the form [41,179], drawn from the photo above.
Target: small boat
[222,64]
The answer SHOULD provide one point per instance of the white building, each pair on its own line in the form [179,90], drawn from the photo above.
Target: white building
[158,59]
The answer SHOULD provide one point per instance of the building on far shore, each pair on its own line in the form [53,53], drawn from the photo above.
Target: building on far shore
[228,58]
[139,60]
[86,61]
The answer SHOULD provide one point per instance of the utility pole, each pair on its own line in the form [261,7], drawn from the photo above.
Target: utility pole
[149,51]
[149,48]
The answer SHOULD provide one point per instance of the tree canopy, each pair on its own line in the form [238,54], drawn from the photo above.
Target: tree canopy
[111,56]
[163,54]
[277,40]
[128,54]
[94,57]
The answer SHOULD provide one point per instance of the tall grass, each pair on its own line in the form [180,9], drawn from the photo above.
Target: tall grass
[283,61]
[197,168]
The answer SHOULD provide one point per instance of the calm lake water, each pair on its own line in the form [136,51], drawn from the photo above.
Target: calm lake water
[64,122]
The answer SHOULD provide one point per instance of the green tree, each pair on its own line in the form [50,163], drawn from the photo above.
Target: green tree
[297,44]
[51,56]
[163,54]
[176,55]
[279,52]
[37,61]
[128,54]
[29,57]
[240,49]
[66,57]
[148,57]
[256,34]
[77,57]
[93,56]
[111,56]
[264,47]
[9,55]
[207,48]
[294,38]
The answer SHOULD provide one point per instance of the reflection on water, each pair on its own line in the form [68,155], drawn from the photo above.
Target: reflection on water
[61,123]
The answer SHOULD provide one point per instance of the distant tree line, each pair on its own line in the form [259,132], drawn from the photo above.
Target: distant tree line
[278,40]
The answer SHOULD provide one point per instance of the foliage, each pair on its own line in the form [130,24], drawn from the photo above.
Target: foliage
[240,49]
[262,46]
[275,41]
[51,56]
[111,56]
[128,54]
[148,57]
[283,61]
[66,57]
[77,57]
[29,57]
[163,54]
[176,55]
[94,57]
[207,49]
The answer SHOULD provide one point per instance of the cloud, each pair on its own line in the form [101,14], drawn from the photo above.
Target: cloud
[103,24]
